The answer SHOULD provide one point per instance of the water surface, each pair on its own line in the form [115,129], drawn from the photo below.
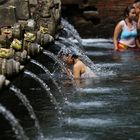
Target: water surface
[103,108]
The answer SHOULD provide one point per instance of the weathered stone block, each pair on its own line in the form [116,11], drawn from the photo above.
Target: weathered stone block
[7,16]
[33,2]
[22,9]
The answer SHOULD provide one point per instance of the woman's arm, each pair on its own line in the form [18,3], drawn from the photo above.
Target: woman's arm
[138,42]
[138,23]
[117,31]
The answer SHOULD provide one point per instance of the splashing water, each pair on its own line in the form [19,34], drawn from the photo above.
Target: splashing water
[72,46]
[27,104]
[17,128]
[70,29]
[47,72]
[47,89]
[50,76]
[55,60]
[61,65]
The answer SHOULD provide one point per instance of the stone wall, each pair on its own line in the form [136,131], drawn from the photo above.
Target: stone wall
[26,28]
[94,18]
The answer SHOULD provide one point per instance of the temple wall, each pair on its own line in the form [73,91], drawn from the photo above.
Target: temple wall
[96,17]
[26,28]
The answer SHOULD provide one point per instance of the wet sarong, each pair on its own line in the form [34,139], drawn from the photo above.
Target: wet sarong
[122,47]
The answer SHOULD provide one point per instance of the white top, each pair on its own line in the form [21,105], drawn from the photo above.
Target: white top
[128,35]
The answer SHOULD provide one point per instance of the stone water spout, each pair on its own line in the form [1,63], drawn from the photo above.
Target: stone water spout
[21,56]
[33,48]
[44,38]
[3,81]
[9,67]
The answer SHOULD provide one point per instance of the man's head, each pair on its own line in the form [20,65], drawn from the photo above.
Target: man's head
[70,57]
[135,1]
[136,5]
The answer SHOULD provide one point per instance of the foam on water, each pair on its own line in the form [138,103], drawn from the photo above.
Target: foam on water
[94,40]
[85,105]
[97,53]
[98,90]
[105,73]
[102,43]
[67,138]
[109,64]
[88,122]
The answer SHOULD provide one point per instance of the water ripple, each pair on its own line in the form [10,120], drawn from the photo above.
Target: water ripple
[108,64]
[67,138]
[88,122]
[98,90]
[85,105]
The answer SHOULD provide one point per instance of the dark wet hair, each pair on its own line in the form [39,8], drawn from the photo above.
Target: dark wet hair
[67,52]
[74,56]
[127,10]
[136,1]
[64,52]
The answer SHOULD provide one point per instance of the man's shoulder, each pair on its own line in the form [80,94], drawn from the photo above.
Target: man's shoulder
[79,64]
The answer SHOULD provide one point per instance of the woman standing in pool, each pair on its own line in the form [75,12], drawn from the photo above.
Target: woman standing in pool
[125,33]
